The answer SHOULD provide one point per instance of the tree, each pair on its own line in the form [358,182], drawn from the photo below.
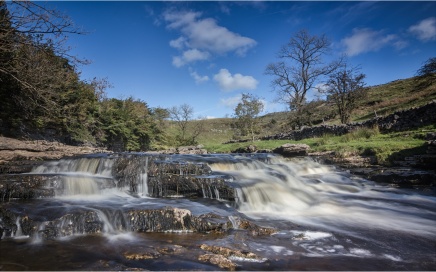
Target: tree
[429,68]
[345,88]
[35,66]
[247,112]
[183,115]
[426,74]
[127,124]
[300,68]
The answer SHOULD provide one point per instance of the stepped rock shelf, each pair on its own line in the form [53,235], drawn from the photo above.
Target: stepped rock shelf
[253,211]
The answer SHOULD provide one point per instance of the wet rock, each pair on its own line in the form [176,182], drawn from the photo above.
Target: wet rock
[400,177]
[254,229]
[28,226]
[222,256]
[219,260]
[8,227]
[141,256]
[24,187]
[174,219]
[228,252]
[292,150]
[86,222]
[172,185]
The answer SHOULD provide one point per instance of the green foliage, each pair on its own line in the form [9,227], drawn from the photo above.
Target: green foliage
[246,113]
[127,124]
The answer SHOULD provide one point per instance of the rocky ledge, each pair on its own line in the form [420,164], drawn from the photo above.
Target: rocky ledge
[19,156]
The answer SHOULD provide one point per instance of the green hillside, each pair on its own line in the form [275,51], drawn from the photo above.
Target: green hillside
[382,100]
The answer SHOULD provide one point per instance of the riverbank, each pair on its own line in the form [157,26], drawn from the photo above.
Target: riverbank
[19,156]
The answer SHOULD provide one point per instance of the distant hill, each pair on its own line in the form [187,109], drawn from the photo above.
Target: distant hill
[381,100]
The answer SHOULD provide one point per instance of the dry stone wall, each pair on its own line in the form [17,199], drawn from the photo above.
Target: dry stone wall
[399,121]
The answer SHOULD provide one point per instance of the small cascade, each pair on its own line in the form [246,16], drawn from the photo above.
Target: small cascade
[74,185]
[144,179]
[99,166]
[19,231]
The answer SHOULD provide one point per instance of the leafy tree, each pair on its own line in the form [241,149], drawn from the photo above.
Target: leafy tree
[127,124]
[247,112]
[345,88]
[300,67]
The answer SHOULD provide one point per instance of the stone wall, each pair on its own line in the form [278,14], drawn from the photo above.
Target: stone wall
[399,121]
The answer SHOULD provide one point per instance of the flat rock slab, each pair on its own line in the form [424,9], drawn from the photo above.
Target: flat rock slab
[292,150]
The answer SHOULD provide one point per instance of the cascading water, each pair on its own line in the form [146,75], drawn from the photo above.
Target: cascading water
[311,194]
[307,216]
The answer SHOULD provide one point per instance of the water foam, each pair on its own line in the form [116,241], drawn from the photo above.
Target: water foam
[308,193]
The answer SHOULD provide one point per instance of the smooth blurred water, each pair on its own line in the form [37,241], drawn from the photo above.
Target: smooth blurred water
[325,219]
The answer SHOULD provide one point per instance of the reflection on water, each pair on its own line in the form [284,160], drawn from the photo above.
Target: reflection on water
[325,220]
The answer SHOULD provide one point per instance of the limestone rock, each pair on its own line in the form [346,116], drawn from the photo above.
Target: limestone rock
[219,260]
[292,150]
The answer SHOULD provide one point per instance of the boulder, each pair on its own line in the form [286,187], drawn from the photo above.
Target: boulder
[292,150]
[247,149]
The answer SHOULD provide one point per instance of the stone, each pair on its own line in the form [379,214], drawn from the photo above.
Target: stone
[248,149]
[292,150]
[219,260]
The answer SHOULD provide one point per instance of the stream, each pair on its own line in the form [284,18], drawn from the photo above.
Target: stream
[143,211]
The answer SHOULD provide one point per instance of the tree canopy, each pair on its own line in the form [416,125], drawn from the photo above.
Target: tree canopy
[246,113]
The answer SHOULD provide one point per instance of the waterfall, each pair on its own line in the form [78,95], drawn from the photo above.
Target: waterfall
[309,193]
[144,178]
[78,176]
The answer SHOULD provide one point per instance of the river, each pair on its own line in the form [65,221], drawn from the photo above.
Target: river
[215,212]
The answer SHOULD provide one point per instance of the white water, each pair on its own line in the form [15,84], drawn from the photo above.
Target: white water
[303,192]
[308,193]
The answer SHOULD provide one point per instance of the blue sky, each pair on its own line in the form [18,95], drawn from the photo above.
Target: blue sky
[207,53]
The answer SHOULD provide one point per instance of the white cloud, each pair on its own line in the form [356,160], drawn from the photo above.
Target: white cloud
[205,35]
[229,82]
[367,40]
[425,30]
[231,102]
[189,56]
[198,79]
[179,43]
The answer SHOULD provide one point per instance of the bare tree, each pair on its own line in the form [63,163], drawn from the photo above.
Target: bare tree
[247,112]
[300,68]
[182,115]
[345,88]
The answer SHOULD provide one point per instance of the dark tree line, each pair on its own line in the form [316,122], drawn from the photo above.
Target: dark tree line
[42,96]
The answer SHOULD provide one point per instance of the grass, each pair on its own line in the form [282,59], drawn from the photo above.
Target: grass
[365,142]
